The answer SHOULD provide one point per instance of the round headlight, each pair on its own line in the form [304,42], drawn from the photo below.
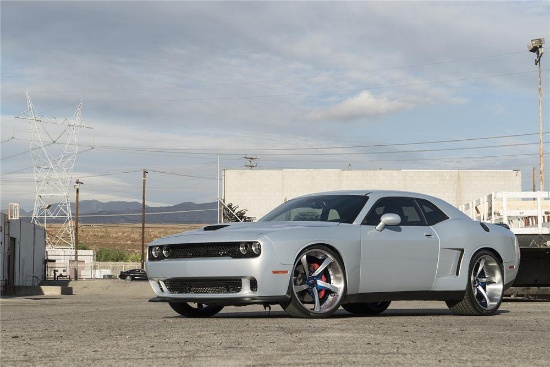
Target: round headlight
[166,251]
[256,248]
[243,248]
[155,251]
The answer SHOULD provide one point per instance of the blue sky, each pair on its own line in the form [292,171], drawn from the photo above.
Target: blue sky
[172,86]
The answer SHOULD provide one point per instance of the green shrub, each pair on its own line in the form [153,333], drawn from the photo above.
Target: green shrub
[110,255]
[134,258]
[83,246]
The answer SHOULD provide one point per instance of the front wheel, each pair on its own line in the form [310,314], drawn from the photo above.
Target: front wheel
[485,287]
[317,284]
[367,308]
[128,278]
[195,310]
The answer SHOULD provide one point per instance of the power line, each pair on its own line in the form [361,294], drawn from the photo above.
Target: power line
[313,93]
[279,79]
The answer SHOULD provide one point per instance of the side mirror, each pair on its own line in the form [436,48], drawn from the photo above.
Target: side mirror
[389,219]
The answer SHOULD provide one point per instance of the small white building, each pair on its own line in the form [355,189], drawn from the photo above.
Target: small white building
[22,253]
[61,264]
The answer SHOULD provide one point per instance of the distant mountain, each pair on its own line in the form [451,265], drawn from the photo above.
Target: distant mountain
[115,212]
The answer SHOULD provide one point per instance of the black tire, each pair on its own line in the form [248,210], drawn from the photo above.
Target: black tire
[367,308]
[317,284]
[199,310]
[485,288]
[128,278]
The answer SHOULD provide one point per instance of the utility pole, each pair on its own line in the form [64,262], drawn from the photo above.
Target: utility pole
[143,221]
[536,47]
[77,187]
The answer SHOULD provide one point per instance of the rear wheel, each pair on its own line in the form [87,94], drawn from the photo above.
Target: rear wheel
[485,287]
[195,310]
[128,278]
[367,308]
[318,284]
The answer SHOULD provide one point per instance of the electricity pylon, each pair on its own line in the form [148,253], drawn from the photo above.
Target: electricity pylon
[54,146]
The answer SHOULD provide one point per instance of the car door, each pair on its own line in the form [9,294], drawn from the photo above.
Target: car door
[397,258]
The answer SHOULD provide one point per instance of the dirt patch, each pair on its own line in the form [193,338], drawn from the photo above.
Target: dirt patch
[125,237]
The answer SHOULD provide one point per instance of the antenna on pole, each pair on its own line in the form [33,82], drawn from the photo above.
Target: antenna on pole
[251,162]
[54,146]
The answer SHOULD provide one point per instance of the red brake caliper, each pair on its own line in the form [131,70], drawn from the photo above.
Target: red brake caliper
[321,277]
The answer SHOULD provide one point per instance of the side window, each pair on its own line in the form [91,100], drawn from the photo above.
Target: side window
[431,212]
[333,216]
[406,208]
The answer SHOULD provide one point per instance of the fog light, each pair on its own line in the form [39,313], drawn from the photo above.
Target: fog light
[166,251]
[155,251]
[243,248]
[256,248]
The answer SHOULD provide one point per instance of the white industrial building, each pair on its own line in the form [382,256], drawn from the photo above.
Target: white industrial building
[259,190]
[22,253]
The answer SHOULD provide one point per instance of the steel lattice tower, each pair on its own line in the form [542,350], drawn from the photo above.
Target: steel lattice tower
[54,146]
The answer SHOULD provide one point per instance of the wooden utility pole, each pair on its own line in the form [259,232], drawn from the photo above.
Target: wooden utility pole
[143,221]
[537,47]
[77,186]
[541,178]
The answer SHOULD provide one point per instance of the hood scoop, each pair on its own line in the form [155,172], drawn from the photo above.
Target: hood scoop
[215,227]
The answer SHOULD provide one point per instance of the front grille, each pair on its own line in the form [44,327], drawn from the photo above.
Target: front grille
[204,286]
[205,250]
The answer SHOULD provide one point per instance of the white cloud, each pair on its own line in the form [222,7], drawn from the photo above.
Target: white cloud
[360,106]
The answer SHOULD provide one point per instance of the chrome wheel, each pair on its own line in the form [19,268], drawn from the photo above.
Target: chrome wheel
[486,282]
[317,282]
[485,289]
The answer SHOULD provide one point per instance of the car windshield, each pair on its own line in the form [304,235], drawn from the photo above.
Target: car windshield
[321,208]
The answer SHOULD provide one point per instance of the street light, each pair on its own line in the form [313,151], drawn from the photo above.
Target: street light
[77,187]
[536,46]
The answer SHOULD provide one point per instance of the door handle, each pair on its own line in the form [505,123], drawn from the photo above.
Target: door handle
[428,234]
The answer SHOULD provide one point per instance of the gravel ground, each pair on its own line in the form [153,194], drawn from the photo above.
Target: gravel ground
[113,324]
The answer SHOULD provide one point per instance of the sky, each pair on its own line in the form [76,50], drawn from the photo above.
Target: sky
[188,89]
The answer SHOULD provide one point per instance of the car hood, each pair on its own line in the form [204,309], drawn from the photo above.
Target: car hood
[228,232]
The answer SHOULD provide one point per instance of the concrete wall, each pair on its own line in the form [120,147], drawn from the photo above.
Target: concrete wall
[29,251]
[259,191]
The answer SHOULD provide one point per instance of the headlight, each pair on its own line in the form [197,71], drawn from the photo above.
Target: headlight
[249,249]
[256,248]
[243,248]
[166,251]
[155,251]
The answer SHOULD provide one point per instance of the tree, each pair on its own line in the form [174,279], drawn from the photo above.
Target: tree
[231,213]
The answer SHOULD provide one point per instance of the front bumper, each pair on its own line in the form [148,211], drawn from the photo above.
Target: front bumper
[221,281]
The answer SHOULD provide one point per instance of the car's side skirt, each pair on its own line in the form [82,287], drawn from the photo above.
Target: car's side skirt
[404,296]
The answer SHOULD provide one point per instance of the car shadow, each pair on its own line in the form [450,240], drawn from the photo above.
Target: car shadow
[340,314]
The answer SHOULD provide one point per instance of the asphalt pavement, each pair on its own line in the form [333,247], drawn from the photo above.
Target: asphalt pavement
[111,323]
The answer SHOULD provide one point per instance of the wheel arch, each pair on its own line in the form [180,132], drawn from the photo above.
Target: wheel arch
[329,246]
[491,250]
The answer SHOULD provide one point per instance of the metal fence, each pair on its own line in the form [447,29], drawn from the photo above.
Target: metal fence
[112,269]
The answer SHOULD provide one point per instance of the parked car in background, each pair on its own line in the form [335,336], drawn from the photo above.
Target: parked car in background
[355,249]
[133,274]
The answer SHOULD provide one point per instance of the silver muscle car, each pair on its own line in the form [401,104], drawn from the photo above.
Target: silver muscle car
[356,249]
